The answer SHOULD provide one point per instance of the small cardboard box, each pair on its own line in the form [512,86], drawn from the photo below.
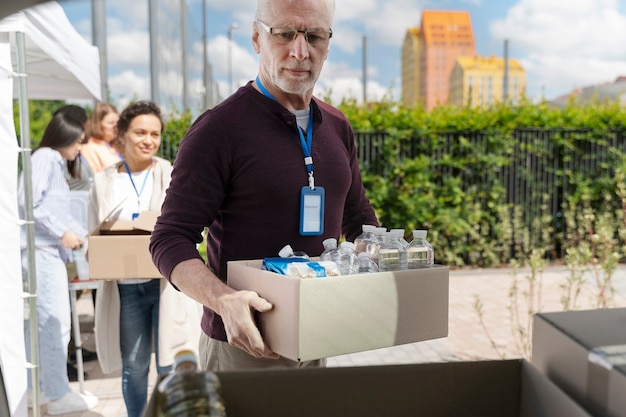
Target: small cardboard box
[584,353]
[504,388]
[323,317]
[119,249]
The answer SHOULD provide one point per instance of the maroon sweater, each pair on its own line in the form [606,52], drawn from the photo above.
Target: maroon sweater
[239,171]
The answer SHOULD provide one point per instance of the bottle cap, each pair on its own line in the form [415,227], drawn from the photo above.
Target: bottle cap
[368,228]
[347,244]
[185,356]
[419,234]
[329,241]
[286,251]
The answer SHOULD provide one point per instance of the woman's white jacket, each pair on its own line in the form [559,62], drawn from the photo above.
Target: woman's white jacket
[179,315]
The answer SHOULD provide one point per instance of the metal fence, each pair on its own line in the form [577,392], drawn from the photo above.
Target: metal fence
[536,166]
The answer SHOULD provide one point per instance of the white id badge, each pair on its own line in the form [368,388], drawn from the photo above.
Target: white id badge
[311,211]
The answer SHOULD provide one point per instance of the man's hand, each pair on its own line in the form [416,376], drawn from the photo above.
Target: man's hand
[236,308]
[237,312]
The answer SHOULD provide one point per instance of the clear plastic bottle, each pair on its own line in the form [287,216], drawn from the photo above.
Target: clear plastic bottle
[288,252]
[392,254]
[374,246]
[331,251]
[347,263]
[360,243]
[401,238]
[188,392]
[420,252]
[365,263]
[82,267]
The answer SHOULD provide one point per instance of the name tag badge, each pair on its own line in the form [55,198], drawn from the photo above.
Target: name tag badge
[311,211]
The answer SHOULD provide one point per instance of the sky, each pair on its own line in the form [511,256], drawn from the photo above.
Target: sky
[562,44]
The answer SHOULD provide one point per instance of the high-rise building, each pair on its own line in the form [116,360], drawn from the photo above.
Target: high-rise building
[411,71]
[429,54]
[479,81]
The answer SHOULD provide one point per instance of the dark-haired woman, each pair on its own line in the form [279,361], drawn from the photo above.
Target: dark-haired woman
[55,235]
[133,315]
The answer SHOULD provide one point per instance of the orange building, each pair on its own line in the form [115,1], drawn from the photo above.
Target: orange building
[429,54]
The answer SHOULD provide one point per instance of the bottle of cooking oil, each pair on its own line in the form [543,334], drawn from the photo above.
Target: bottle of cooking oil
[188,392]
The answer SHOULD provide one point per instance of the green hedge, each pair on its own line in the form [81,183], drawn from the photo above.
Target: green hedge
[455,192]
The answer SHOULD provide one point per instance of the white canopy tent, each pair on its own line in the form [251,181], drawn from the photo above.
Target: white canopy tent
[59,64]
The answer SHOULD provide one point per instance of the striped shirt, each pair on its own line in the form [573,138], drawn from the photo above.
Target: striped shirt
[51,203]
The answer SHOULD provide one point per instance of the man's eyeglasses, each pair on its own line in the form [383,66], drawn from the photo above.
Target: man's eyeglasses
[286,36]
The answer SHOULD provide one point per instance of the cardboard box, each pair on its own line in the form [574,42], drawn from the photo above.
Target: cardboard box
[119,249]
[504,388]
[323,317]
[584,353]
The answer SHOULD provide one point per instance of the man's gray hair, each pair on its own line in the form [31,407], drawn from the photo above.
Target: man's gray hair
[263,6]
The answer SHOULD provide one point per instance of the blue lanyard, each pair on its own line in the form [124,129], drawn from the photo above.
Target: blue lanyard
[145,179]
[306,143]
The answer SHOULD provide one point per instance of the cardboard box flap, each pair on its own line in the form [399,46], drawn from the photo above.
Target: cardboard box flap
[142,225]
[588,327]
[146,221]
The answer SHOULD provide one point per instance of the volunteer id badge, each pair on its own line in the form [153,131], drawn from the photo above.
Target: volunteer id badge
[311,211]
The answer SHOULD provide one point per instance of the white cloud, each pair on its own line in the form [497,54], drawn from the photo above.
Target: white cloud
[128,49]
[339,80]
[126,15]
[565,44]
[128,85]
[244,62]
[387,21]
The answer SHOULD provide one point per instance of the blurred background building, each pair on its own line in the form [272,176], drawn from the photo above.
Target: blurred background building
[440,66]
[479,81]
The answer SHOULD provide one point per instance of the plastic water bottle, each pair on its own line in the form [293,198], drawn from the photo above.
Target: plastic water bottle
[360,243]
[82,267]
[365,263]
[392,254]
[374,246]
[347,262]
[188,392]
[331,251]
[401,238]
[288,252]
[420,252]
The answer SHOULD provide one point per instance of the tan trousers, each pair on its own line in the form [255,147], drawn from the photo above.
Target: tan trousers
[218,356]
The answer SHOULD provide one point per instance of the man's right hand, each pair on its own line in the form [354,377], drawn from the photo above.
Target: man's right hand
[237,312]
[236,308]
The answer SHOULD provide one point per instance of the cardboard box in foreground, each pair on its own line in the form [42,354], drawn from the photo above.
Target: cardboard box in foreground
[508,388]
[119,249]
[584,353]
[323,317]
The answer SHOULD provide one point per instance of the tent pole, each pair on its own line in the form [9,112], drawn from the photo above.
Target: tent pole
[29,218]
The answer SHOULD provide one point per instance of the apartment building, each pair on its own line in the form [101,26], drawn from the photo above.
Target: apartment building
[429,54]
[480,81]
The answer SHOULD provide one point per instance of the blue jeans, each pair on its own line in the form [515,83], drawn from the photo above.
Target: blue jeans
[139,320]
[53,322]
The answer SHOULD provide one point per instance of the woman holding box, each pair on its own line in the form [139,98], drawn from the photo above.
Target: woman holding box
[130,312]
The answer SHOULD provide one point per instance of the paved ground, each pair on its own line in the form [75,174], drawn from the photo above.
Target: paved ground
[470,337]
